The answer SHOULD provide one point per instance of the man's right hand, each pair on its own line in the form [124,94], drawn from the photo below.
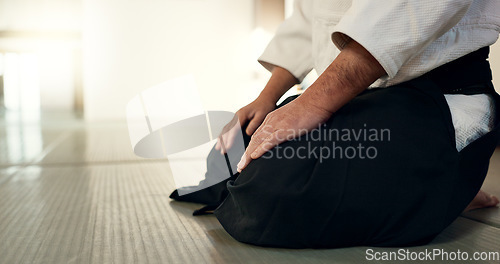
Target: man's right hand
[253,114]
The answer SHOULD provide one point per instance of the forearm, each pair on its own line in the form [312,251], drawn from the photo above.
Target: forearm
[347,76]
[281,81]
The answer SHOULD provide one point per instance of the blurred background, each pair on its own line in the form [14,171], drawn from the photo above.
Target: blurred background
[72,189]
[90,57]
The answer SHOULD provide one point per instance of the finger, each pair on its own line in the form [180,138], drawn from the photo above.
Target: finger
[247,158]
[227,139]
[223,147]
[243,162]
[217,145]
[270,142]
[231,136]
[223,138]
[242,117]
[230,124]
[254,124]
[258,137]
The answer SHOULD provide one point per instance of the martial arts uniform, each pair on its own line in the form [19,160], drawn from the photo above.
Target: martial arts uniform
[423,175]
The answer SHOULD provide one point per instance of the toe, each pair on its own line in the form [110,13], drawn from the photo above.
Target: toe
[494,200]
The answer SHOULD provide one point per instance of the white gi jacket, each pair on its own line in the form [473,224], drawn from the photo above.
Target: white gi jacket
[407,37]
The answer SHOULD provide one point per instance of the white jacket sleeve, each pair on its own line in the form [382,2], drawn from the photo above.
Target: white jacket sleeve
[394,31]
[290,48]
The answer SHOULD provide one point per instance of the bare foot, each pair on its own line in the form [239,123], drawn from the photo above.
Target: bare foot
[482,200]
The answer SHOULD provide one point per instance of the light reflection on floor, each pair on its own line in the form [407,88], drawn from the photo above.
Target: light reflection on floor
[20,137]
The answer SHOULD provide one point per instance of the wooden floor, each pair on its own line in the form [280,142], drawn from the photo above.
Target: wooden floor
[75,193]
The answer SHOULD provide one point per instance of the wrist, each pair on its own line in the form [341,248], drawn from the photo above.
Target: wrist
[348,75]
[281,81]
[314,105]
[268,98]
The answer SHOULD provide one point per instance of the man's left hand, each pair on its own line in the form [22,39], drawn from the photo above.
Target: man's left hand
[352,71]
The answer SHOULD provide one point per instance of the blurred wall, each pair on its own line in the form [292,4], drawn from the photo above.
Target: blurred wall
[36,15]
[132,45]
[129,46]
[50,30]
